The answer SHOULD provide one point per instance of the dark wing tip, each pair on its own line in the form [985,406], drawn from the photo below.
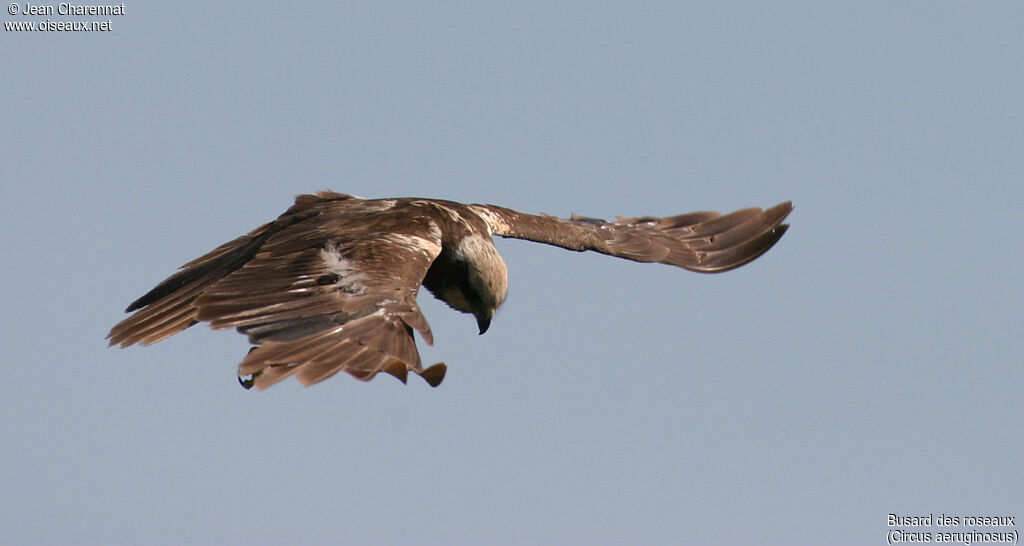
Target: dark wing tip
[434,375]
[738,238]
[396,368]
[782,209]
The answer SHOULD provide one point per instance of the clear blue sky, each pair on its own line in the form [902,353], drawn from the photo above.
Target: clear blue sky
[871,363]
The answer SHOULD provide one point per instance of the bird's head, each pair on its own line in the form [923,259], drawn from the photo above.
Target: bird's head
[486,280]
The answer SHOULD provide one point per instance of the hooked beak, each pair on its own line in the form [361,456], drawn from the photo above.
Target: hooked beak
[484,322]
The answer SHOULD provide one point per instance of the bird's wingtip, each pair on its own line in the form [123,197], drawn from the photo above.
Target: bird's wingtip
[434,375]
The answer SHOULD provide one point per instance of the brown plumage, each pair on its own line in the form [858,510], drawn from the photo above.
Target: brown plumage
[331,285]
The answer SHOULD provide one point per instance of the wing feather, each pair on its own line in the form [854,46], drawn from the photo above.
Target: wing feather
[323,289]
[705,242]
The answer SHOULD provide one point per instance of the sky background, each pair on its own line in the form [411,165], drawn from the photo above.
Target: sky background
[870,363]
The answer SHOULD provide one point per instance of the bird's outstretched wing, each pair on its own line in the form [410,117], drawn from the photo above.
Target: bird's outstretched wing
[320,290]
[706,242]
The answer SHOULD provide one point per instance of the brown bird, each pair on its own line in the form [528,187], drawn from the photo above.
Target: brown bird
[331,284]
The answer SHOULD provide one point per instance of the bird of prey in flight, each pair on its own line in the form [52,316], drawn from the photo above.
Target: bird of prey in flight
[331,284]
